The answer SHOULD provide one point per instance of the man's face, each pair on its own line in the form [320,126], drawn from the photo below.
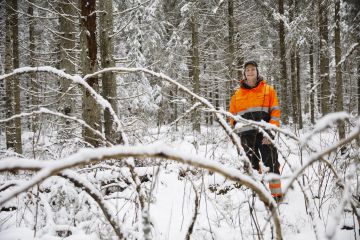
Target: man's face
[250,72]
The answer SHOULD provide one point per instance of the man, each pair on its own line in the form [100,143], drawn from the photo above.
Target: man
[256,100]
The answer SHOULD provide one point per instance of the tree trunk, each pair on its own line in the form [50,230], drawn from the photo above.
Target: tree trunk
[298,78]
[294,100]
[240,63]
[9,82]
[358,86]
[324,56]
[231,53]
[294,110]
[312,92]
[15,29]
[195,68]
[91,110]
[358,94]
[67,56]
[107,60]
[33,83]
[13,128]
[339,81]
[284,76]
[298,89]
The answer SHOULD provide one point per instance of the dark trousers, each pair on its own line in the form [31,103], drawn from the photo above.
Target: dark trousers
[256,151]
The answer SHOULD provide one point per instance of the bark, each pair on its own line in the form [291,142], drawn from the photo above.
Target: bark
[312,77]
[195,67]
[15,30]
[172,104]
[294,110]
[33,83]
[358,86]
[240,62]
[13,129]
[284,76]
[91,110]
[9,82]
[339,81]
[294,100]
[298,90]
[324,56]
[107,60]
[231,53]
[67,56]
[358,94]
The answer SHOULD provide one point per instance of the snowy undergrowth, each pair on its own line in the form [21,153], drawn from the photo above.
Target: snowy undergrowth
[57,209]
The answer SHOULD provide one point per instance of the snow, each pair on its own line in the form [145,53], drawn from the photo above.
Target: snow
[173,170]
[327,121]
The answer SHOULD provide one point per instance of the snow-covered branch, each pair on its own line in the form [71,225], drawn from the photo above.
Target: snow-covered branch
[47,111]
[105,104]
[120,152]
[320,155]
[78,80]
[82,183]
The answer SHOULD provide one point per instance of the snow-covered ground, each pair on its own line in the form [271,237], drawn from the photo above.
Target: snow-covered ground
[226,210]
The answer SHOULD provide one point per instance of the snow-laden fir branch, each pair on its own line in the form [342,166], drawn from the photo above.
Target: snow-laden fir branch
[55,12]
[217,6]
[348,53]
[86,156]
[130,9]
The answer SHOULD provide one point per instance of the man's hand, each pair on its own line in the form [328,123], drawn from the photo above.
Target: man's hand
[266,141]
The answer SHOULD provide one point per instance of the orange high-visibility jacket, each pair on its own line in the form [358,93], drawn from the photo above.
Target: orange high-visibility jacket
[257,103]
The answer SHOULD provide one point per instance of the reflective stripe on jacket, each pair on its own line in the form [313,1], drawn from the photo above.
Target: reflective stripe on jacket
[275,188]
[257,103]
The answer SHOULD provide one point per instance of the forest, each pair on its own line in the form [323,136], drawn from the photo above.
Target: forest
[115,120]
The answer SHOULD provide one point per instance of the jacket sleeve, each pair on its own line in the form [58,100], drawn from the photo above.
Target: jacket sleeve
[274,109]
[232,110]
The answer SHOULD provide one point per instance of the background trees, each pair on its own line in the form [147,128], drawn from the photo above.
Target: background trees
[309,50]
[287,38]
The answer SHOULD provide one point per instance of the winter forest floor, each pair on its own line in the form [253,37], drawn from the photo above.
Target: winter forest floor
[56,209]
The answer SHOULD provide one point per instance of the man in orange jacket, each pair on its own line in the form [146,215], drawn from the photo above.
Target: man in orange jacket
[256,100]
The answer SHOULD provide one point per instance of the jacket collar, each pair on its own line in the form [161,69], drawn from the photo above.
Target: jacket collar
[243,83]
